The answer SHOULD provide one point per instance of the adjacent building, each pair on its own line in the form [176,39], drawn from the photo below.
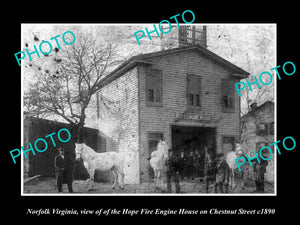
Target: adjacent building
[257,128]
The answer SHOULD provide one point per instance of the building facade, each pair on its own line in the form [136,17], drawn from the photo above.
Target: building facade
[257,128]
[185,96]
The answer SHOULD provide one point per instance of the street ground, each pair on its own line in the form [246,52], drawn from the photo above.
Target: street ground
[46,185]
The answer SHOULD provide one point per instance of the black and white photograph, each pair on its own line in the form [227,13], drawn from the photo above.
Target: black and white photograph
[164,113]
[145,109]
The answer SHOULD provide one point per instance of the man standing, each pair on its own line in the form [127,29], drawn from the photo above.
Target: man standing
[260,170]
[210,169]
[182,165]
[222,175]
[197,164]
[173,170]
[64,165]
[190,170]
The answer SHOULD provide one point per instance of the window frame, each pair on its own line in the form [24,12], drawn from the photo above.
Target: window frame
[157,88]
[192,103]
[228,93]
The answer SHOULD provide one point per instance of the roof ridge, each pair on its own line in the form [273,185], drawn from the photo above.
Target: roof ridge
[206,51]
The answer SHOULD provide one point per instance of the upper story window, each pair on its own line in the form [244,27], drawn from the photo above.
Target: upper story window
[227,95]
[263,129]
[193,83]
[153,87]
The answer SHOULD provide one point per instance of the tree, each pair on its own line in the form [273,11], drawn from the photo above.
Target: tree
[252,48]
[65,86]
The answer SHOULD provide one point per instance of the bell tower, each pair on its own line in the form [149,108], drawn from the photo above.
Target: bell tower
[185,35]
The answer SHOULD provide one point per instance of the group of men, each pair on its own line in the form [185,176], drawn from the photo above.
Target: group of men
[178,167]
[190,165]
[216,170]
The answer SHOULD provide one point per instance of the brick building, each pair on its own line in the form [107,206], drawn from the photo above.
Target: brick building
[258,131]
[184,95]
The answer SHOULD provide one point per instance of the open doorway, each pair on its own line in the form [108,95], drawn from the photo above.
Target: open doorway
[189,142]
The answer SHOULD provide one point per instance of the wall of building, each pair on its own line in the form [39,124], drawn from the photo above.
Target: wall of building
[158,119]
[119,121]
[250,137]
[43,163]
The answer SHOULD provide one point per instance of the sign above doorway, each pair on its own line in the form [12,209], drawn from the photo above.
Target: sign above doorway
[198,116]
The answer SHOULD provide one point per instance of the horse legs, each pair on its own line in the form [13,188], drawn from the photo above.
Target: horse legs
[232,179]
[155,180]
[121,173]
[233,183]
[92,173]
[159,179]
[115,178]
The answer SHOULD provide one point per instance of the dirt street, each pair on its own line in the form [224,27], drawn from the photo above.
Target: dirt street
[45,185]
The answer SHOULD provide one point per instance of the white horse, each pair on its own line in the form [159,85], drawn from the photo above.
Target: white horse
[104,161]
[230,159]
[158,162]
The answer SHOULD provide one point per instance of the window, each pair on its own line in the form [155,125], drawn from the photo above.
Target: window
[193,83]
[154,87]
[227,95]
[263,129]
[197,100]
[228,144]
[150,95]
[271,128]
[191,99]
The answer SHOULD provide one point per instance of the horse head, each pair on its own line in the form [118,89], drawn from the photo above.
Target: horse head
[79,150]
[239,150]
[162,146]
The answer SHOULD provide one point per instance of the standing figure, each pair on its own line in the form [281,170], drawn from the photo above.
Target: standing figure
[173,171]
[222,175]
[259,171]
[64,165]
[182,162]
[210,168]
[190,170]
[197,164]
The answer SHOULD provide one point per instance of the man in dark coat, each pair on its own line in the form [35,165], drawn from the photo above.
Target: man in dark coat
[260,170]
[190,170]
[222,174]
[182,165]
[173,171]
[210,169]
[64,164]
[197,164]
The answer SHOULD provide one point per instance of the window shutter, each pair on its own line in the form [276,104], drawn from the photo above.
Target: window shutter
[193,83]
[223,92]
[148,84]
[227,95]
[158,85]
[153,87]
[271,128]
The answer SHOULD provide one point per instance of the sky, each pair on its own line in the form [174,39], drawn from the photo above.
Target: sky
[249,46]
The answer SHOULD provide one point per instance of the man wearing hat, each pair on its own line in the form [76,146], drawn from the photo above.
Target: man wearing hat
[259,171]
[222,175]
[64,170]
[173,170]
